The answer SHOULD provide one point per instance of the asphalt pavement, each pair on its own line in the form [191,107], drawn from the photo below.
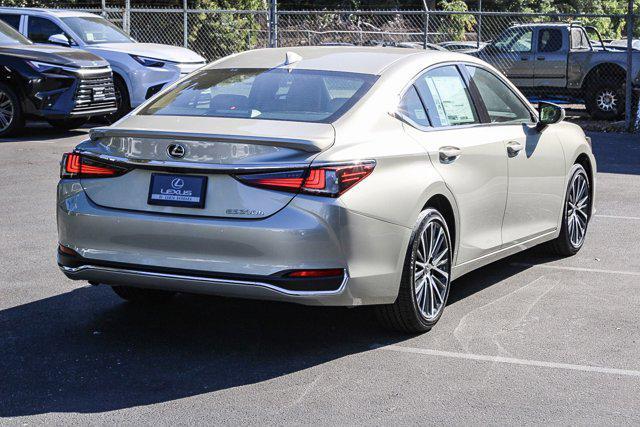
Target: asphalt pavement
[528,340]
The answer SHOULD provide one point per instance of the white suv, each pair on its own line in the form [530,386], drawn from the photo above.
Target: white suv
[140,69]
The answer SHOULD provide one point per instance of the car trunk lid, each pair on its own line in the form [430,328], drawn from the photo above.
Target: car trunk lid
[214,148]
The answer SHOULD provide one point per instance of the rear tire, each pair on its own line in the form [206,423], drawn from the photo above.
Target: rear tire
[68,124]
[143,296]
[426,278]
[11,116]
[576,214]
[605,100]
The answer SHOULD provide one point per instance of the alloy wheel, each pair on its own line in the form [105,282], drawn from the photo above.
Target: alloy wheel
[607,100]
[6,111]
[432,270]
[577,214]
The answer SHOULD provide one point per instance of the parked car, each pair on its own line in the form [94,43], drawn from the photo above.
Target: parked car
[140,69]
[61,85]
[340,176]
[462,46]
[560,59]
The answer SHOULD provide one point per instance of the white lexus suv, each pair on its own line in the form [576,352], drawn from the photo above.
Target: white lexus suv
[140,69]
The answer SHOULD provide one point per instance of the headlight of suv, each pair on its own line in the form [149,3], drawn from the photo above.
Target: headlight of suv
[45,67]
[148,62]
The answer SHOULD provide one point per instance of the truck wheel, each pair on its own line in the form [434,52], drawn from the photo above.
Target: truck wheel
[68,124]
[605,101]
[11,117]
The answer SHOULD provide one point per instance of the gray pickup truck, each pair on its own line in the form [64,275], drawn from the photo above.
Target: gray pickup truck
[560,60]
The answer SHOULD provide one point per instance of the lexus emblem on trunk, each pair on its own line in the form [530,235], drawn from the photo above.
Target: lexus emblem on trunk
[176,150]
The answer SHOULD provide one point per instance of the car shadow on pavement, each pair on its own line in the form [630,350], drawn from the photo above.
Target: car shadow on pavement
[87,351]
[43,132]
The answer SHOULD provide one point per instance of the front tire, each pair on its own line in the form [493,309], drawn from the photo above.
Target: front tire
[576,214]
[123,102]
[11,117]
[426,277]
[142,296]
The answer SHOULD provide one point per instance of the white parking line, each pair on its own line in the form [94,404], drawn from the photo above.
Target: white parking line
[636,218]
[511,360]
[590,270]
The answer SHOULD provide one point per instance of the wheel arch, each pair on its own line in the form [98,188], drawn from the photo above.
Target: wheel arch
[604,70]
[584,160]
[442,199]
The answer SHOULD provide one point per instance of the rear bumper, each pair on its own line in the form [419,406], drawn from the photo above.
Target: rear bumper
[233,257]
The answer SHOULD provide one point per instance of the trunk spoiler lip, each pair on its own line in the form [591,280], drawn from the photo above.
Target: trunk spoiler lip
[308,145]
[213,168]
[191,167]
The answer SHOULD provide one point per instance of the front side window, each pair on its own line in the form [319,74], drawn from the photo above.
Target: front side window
[446,97]
[94,30]
[268,94]
[11,20]
[549,40]
[502,104]
[515,40]
[411,108]
[40,29]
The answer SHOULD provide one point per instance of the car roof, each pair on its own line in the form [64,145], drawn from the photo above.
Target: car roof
[355,59]
[42,11]
[542,24]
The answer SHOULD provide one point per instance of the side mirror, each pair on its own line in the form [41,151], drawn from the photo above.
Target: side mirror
[549,114]
[60,39]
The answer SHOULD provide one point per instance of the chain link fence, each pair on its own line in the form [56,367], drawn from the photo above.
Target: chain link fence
[531,49]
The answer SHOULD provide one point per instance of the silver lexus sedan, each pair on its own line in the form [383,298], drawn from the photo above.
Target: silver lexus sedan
[324,176]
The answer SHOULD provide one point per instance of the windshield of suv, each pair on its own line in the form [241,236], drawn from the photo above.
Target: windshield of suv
[94,30]
[268,94]
[10,36]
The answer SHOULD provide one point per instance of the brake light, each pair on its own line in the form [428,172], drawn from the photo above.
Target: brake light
[77,166]
[326,180]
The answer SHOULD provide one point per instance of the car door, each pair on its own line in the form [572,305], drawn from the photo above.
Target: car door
[552,48]
[536,166]
[512,54]
[470,158]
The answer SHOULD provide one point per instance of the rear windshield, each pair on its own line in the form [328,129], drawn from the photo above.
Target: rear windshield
[267,94]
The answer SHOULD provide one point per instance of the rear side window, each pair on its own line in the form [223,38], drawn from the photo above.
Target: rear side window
[446,97]
[40,29]
[502,104]
[268,94]
[11,19]
[549,40]
[579,39]
[411,107]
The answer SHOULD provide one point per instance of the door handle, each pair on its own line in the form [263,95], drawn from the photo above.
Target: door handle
[524,58]
[513,148]
[449,154]
[540,58]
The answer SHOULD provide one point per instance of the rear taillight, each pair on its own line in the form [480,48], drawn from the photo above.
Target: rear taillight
[74,165]
[326,180]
